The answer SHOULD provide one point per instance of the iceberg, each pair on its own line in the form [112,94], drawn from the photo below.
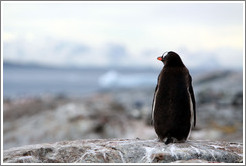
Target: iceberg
[113,79]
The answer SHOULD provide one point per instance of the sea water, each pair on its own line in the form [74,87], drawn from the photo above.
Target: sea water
[33,81]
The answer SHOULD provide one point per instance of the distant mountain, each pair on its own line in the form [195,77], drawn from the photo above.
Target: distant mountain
[7,64]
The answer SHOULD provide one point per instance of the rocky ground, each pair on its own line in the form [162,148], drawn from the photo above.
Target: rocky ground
[123,113]
[126,151]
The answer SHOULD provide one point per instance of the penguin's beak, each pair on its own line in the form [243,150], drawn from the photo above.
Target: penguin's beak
[159,58]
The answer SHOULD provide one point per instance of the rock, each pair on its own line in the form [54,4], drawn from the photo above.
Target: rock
[99,116]
[238,99]
[125,151]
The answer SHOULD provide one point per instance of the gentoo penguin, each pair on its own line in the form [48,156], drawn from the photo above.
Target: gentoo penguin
[173,107]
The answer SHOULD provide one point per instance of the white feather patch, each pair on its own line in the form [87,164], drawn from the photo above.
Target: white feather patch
[153,109]
[192,113]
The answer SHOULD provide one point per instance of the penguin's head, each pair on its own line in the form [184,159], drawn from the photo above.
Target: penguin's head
[171,59]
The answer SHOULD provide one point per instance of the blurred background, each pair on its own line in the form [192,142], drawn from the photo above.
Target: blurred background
[88,70]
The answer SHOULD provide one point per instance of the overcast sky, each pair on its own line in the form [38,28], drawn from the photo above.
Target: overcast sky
[123,33]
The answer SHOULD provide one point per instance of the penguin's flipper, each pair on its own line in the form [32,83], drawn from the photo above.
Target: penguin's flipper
[193,99]
[154,98]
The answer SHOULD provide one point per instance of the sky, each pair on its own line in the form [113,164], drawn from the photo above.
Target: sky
[123,33]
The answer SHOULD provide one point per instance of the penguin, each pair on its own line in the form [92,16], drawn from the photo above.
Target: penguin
[174,107]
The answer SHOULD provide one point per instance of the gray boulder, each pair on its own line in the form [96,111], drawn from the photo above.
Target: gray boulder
[126,151]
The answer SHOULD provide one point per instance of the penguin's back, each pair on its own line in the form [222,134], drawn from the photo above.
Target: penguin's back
[172,112]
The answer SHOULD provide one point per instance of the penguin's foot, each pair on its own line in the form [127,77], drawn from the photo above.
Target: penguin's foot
[174,140]
[169,140]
